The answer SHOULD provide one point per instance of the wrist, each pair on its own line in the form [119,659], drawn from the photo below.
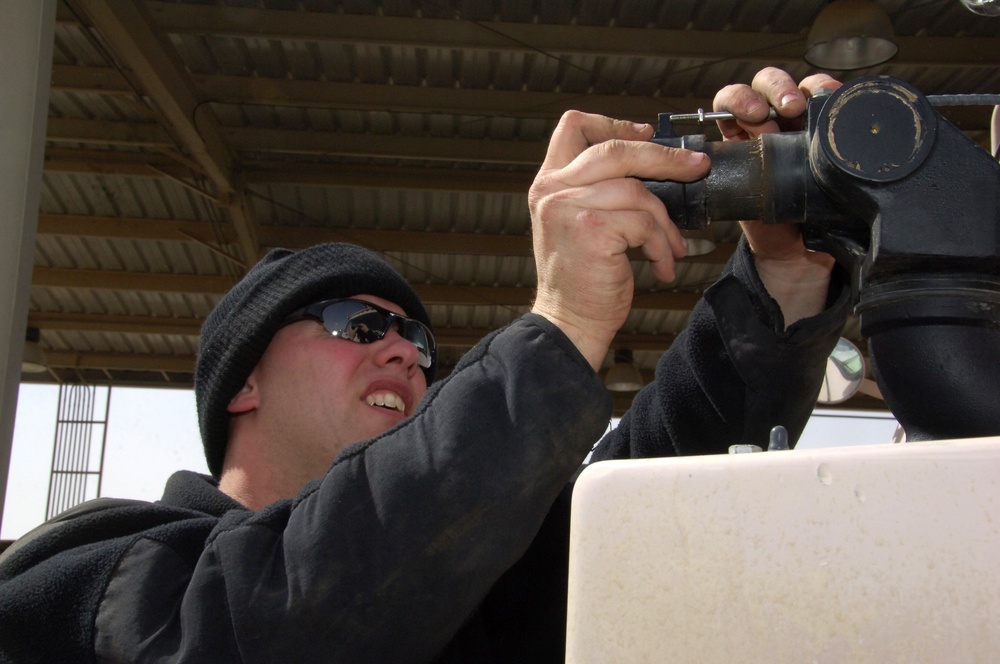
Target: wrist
[586,335]
[799,285]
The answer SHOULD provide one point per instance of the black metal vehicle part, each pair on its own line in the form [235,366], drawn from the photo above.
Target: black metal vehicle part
[911,206]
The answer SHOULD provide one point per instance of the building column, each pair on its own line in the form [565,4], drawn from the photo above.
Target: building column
[27,33]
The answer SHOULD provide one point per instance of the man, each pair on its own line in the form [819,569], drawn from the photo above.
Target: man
[359,515]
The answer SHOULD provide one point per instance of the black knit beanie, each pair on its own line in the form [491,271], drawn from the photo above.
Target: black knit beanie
[236,333]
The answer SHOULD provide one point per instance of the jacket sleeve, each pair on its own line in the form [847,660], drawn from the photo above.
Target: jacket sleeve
[734,372]
[387,556]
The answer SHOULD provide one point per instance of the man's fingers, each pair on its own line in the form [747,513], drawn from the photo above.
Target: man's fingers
[780,91]
[588,207]
[618,215]
[771,88]
[810,85]
[744,103]
[578,131]
[614,159]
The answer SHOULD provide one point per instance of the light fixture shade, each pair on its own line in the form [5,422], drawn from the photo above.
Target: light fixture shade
[700,242]
[983,7]
[33,360]
[851,34]
[624,375]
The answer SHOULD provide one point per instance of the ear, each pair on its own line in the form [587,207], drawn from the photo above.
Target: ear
[247,398]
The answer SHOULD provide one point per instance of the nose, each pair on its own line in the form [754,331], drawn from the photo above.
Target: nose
[394,348]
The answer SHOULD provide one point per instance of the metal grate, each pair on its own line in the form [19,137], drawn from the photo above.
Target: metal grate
[78,454]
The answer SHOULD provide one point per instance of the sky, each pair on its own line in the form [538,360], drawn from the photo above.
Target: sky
[153,432]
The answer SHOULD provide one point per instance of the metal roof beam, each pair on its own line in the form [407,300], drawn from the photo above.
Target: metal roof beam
[387,146]
[591,41]
[144,51]
[423,99]
[120,361]
[160,282]
[118,324]
[123,280]
[91,80]
[191,327]
[326,143]
[138,134]
[297,237]
[132,228]
[151,164]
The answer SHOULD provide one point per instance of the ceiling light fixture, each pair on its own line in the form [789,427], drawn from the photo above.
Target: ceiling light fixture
[700,242]
[850,34]
[33,360]
[624,375]
[983,7]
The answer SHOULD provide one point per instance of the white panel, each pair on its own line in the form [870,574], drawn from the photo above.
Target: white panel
[881,553]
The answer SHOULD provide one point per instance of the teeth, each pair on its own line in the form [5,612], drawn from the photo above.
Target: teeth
[386,400]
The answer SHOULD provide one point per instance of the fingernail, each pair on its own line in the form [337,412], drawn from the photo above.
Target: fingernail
[639,126]
[754,108]
[696,158]
[788,99]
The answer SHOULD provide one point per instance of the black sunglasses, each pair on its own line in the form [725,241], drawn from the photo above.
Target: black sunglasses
[365,323]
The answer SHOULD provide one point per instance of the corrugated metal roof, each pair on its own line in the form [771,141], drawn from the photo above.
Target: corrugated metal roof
[413,128]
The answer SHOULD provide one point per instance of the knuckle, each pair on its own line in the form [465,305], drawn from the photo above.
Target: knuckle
[636,190]
[611,150]
[773,80]
[587,220]
[769,76]
[724,97]
[574,119]
[545,182]
[538,197]
[545,205]
[647,222]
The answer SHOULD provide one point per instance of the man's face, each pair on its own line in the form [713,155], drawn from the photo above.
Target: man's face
[317,393]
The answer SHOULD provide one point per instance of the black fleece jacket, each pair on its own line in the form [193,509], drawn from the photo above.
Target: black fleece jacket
[444,539]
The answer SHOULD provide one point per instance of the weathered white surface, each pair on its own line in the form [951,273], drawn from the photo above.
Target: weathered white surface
[883,553]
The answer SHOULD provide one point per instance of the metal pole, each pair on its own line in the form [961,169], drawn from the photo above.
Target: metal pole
[26,32]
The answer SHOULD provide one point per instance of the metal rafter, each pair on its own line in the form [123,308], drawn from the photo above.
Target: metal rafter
[426,99]
[143,51]
[190,327]
[167,282]
[765,47]
[297,237]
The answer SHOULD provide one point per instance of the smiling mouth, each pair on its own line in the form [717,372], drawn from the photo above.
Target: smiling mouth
[388,400]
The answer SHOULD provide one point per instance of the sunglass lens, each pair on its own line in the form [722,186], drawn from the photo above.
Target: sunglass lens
[366,326]
[417,335]
[362,323]
[354,321]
